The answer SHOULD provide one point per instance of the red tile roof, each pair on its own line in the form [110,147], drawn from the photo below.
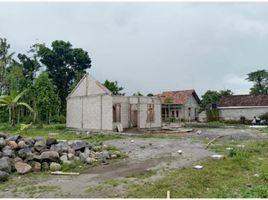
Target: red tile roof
[178,97]
[244,100]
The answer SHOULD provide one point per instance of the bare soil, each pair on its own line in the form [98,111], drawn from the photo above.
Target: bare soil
[143,155]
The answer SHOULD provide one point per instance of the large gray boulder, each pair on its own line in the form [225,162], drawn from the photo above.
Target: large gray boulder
[22,144]
[40,145]
[2,143]
[3,135]
[3,176]
[8,152]
[61,147]
[51,141]
[78,145]
[5,164]
[29,142]
[50,156]
[25,153]
[15,138]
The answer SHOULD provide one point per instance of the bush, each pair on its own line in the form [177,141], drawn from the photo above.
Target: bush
[58,119]
[264,117]
[213,115]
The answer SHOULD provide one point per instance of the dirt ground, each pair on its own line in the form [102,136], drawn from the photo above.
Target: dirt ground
[144,154]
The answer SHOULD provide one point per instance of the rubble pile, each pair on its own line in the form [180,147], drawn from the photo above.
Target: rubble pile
[23,155]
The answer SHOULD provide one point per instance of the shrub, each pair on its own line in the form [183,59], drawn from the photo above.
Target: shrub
[213,115]
[264,117]
[58,119]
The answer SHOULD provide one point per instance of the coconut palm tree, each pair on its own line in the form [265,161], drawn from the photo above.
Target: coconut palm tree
[12,102]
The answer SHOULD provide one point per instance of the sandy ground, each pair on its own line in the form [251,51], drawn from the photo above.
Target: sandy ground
[143,155]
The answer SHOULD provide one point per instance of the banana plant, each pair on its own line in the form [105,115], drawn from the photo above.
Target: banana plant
[12,102]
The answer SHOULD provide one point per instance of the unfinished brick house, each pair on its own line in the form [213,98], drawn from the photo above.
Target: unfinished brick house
[91,106]
[180,105]
[237,106]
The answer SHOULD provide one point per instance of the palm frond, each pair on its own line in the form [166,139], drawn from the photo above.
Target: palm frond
[26,105]
[15,100]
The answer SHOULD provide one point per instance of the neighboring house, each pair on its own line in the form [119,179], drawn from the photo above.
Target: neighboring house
[237,106]
[91,106]
[182,105]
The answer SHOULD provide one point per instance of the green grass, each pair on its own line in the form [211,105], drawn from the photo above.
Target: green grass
[232,177]
[215,124]
[59,131]
[31,190]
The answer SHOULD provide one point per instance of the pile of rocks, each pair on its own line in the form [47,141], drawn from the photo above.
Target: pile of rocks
[24,155]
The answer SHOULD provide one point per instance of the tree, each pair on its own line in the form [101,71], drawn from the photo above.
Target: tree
[213,97]
[137,94]
[5,59]
[12,102]
[150,95]
[47,101]
[62,62]
[260,80]
[114,87]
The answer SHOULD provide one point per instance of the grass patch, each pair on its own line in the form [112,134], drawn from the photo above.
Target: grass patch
[215,124]
[59,132]
[32,190]
[232,177]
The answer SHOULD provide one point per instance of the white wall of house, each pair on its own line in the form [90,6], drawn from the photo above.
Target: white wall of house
[193,104]
[247,112]
[89,106]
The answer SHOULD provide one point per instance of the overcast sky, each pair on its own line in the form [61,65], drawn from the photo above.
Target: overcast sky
[151,47]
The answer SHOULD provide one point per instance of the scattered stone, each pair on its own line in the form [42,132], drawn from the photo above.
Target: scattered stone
[14,138]
[25,153]
[40,145]
[29,142]
[36,166]
[71,151]
[229,148]
[22,145]
[61,147]
[3,135]
[50,156]
[22,168]
[70,156]
[12,144]
[78,145]
[198,167]
[256,175]
[241,145]
[64,158]
[5,164]
[55,166]
[180,152]
[51,141]
[17,159]
[89,160]
[44,166]
[8,152]
[83,156]
[3,176]
[113,156]
[199,132]
[132,141]
[2,143]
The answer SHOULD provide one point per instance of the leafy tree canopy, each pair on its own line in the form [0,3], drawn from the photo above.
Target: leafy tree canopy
[138,94]
[114,87]
[213,97]
[260,80]
[62,63]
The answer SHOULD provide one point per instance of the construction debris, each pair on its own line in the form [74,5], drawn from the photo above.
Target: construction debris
[198,167]
[64,173]
[217,156]
[220,136]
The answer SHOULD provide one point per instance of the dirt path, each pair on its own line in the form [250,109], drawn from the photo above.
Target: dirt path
[143,155]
